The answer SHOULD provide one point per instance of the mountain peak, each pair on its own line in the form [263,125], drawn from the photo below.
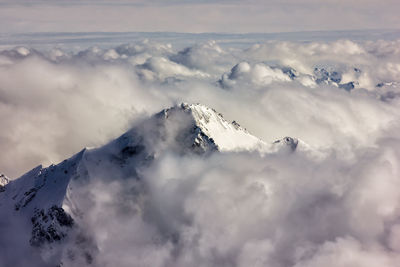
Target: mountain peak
[227,136]
[53,201]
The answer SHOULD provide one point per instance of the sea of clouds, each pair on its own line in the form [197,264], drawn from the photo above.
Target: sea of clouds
[233,209]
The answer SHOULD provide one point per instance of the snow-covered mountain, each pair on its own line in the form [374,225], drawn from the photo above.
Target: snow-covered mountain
[51,201]
[262,74]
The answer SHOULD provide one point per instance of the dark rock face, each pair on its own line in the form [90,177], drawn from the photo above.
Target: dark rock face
[321,75]
[290,72]
[335,77]
[200,142]
[347,86]
[28,197]
[130,151]
[50,226]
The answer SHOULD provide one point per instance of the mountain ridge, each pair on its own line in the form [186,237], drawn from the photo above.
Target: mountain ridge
[52,198]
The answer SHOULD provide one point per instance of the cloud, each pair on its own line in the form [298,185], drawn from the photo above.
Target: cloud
[258,75]
[66,100]
[242,209]
[338,252]
[207,56]
[57,93]
[226,209]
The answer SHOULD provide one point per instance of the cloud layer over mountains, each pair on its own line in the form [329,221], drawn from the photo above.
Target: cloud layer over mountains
[337,95]
[230,209]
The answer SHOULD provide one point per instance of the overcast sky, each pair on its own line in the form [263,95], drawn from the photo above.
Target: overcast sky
[197,15]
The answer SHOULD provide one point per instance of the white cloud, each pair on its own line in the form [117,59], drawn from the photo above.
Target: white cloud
[257,75]
[241,209]
[59,93]
[229,209]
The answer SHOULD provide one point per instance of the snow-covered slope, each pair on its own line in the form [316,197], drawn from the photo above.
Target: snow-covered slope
[227,136]
[52,200]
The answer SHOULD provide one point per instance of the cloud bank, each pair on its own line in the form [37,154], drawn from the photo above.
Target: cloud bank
[338,95]
[229,209]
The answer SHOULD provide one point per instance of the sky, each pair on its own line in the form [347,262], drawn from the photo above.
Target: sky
[195,16]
